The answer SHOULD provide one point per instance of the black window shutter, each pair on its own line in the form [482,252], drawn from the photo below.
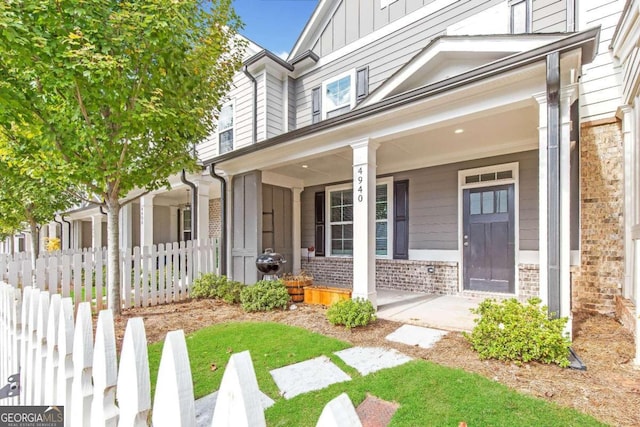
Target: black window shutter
[316,105]
[319,223]
[401,219]
[362,83]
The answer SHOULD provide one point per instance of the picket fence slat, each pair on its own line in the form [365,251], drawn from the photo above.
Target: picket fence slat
[81,387]
[65,351]
[52,365]
[104,411]
[41,347]
[134,386]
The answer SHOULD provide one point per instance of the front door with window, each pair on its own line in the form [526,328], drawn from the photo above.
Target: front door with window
[489,239]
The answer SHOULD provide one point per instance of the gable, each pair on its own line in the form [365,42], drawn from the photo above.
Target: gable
[449,56]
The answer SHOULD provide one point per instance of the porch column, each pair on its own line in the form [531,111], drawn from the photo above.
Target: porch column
[126,226]
[77,234]
[364,220]
[626,114]
[203,211]
[296,232]
[567,95]
[96,230]
[146,220]
[543,241]
[44,234]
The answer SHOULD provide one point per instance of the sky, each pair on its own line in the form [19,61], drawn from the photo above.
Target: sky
[274,24]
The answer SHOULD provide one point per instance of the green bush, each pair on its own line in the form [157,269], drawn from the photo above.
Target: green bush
[519,332]
[351,313]
[265,295]
[213,286]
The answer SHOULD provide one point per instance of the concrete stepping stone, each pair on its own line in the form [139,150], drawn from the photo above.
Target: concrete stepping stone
[416,335]
[206,404]
[371,359]
[310,375]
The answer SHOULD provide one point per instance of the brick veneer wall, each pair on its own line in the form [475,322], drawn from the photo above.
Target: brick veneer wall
[390,274]
[215,225]
[601,272]
[528,281]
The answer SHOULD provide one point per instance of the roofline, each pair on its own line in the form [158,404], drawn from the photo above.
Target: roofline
[307,26]
[268,54]
[623,15]
[512,62]
[304,55]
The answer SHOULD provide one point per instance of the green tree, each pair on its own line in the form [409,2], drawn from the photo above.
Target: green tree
[120,91]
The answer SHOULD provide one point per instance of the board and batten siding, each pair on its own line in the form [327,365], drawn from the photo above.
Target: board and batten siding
[433,203]
[600,88]
[549,16]
[386,55]
[275,105]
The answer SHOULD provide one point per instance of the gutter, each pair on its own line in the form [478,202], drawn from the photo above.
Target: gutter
[194,204]
[61,230]
[513,62]
[69,233]
[223,219]
[245,70]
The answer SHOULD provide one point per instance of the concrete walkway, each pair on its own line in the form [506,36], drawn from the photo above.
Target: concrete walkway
[447,312]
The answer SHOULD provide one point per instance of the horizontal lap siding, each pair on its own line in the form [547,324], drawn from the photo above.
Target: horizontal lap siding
[275,105]
[433,203]
[291,93]
[262,107]
[384,56]
[600,82]
[549,16]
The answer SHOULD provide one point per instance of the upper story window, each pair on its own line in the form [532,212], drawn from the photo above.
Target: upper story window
[520,11]
[339,94]
[225,128]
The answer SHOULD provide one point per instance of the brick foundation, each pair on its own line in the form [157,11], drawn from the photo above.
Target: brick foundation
[215,225]
[625,313]
[599,279]
[409,275]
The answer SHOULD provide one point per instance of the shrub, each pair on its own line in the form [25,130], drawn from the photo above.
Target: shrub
[206,286]
[351,313]
[230,291]
[265,295]
[519,332]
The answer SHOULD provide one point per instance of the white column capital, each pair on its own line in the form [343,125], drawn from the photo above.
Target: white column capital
[540,97]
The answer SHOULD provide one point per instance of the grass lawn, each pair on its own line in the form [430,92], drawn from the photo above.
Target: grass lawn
[428,394]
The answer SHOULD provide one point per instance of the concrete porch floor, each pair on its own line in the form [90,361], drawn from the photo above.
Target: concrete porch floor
[447,312]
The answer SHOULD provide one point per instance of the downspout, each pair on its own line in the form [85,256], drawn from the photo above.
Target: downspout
[245,70]
[61,231]
[194,204]
[223,219]
[69,230]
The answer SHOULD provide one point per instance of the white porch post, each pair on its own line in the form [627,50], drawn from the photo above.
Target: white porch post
[146,220]
[636,209]
[77,234]
[629,192]
[44,234]
[126,226]
[203,211]
[53,229]
[296,232]
[543,240]
[364,220]
[96,229]
[567,96]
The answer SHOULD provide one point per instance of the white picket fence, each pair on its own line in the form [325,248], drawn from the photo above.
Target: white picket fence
[60,364]
[149,276]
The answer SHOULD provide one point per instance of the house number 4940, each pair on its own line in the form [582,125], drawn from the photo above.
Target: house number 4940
[359,190]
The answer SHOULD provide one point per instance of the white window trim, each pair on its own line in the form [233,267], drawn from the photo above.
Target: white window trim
[528,17]
[352,91]
[390,215]
[515,180]
[233,128]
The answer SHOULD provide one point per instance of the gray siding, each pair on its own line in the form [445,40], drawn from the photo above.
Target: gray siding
[291,113]
[275,106]
[262,107]
[161,226]
[387,55]
[247,226]
[549,16]
[277,223]
[433,203]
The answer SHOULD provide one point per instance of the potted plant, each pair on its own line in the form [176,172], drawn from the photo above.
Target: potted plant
[296,283]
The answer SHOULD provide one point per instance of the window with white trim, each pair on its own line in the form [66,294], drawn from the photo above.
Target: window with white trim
[225,128]
[340,218]
[338,94]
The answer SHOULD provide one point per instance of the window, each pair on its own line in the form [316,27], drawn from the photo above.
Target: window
[520,16]
[225,128]
[186,222]
[340,214]
[338,95]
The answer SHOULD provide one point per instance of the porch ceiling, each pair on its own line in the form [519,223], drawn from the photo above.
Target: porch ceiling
[512,130]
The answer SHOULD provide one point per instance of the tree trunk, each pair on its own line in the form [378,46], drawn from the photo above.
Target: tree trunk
[114,300]
[35,244]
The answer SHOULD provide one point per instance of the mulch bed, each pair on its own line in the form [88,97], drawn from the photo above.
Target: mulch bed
[609,389]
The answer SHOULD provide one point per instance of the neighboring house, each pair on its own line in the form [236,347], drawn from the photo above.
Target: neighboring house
[469,147]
